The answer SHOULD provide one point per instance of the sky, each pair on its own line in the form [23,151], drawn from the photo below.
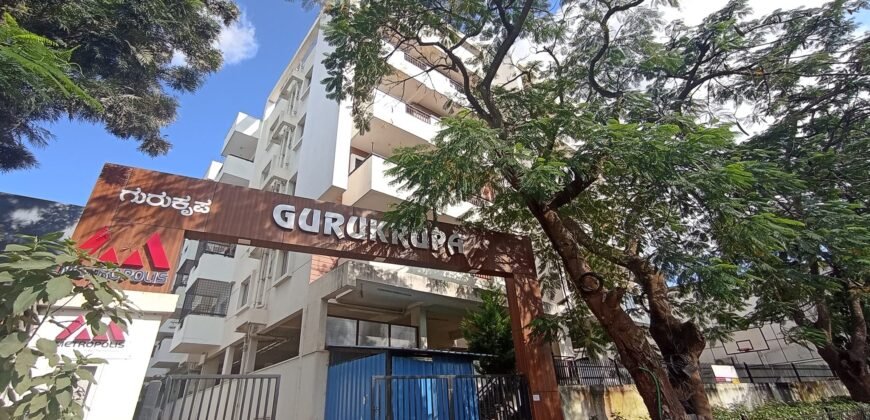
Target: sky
[256,50]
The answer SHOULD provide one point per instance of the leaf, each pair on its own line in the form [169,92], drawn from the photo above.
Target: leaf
[64,398]
[12,344]
[63,382]
[58,288]
[32,265]
[86,375]
[47,347]
[24,362]
[25,300]
[6,277]
[16,248]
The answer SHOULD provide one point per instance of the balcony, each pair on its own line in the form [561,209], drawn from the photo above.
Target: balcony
[396,124]
[434,80]
[242,138]
[212,266]
[198,334]
[167,328]
[202,317]
[368,186]
[163,358]
[236,171]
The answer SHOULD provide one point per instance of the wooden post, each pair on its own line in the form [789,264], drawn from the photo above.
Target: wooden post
[534,358]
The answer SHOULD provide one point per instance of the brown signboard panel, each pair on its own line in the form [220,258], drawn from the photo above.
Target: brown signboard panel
[206,209]
[139,218]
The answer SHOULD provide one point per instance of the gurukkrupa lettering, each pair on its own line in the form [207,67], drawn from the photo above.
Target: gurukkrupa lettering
[163,200]
[358,228]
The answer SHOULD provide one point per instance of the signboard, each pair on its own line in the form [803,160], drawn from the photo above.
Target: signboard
[138,219]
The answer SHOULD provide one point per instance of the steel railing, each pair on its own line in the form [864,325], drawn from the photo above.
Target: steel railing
[584,372]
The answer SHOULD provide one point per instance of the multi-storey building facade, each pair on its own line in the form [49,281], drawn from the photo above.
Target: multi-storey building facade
[251,310]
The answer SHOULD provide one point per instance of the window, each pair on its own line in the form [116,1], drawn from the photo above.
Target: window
[351,332]
[301,130]
[285,263]
[340,332]
[265,173]
[373,334]
[356,161]
[403,336]
[243,292]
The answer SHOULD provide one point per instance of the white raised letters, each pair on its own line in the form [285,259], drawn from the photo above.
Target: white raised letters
[182,204]
[363,229]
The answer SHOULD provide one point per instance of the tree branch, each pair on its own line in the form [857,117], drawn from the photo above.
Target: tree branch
[605,31]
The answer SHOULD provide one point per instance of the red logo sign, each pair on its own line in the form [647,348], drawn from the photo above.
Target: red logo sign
[132,266]
[113,337]
[153,247]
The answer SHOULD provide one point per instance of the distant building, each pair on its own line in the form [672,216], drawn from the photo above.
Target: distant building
[33,216]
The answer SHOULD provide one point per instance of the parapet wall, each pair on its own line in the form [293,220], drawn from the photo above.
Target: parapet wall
[606,402]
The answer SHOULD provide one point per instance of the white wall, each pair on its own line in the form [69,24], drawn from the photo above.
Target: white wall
[326,145]
[119,382]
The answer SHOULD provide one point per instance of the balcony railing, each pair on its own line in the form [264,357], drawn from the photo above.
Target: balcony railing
[584,372]
[420,114]
[422,65]
[216,248]
[207,297]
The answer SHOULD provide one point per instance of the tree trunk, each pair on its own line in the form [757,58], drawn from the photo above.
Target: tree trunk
[680,343]
[850,368]
[850,363]
[635,351]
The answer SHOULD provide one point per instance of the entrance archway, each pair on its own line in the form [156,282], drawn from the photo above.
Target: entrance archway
[140,218]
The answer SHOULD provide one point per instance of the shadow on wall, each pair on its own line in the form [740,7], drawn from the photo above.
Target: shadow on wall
[601,402]
[32,216]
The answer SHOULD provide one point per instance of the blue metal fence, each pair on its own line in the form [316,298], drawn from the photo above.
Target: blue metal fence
[450,397]
[348,387]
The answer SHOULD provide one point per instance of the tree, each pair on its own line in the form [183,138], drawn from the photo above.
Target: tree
[33,68]
[35,275]
[819,132]
[121,68]
[488,331]
[612,146]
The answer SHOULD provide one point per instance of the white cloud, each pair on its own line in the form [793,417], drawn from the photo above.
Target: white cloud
[238,41]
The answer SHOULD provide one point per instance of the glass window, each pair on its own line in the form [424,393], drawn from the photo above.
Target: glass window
[402,336]
[243,292]
[340,332]
[373,334]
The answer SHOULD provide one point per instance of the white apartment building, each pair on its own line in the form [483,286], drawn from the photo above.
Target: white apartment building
[251,310]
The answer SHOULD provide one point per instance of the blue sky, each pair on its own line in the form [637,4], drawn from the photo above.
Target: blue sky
[258,49]
[69,166]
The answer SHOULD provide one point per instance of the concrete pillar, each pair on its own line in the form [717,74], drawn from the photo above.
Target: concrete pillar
[313,334]
[534,357]
[249,355]
[229,355]
[210,366]
[418,319]
[314,359]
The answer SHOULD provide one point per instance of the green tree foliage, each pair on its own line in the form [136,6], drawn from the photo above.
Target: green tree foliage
[35,275]
[615,147]
[818,111]
[107,62]
[488,330]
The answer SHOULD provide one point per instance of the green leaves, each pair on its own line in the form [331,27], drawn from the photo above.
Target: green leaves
[488,331]
[32,284]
